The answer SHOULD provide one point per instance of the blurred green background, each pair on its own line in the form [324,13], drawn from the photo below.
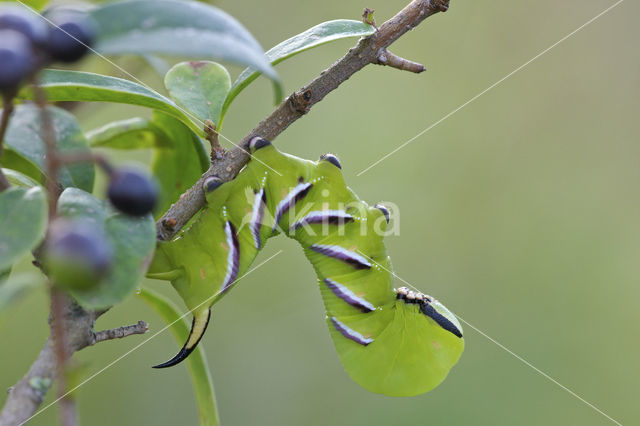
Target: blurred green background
[520,212]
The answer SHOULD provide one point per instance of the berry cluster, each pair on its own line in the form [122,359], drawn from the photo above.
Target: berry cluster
[29,41]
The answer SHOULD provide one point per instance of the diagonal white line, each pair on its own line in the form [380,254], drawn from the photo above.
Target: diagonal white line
[94,375]
[489,88]
[101,56]
[509,351]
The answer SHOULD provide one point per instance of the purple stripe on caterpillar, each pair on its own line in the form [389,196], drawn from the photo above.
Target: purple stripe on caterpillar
[349,296]
[256,217]
[349,333]
[233,258]
[340,253]
[295,195]
[333,217]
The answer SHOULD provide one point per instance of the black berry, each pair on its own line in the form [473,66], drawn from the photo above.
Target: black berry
[132,192]
[70,36]
[17,59]
[77,255]
[29,24]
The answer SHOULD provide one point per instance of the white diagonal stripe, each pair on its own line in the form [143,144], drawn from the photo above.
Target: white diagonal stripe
[490,87]
[509,351]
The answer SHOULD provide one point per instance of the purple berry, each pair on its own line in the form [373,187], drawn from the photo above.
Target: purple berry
[17,59]
[29,24]
[132,192]
[77,255]
[70,36]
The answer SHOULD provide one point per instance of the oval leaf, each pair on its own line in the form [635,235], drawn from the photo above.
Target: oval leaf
[197,364]
[24,138]
[177,28]
[132,241]
[23,222]
[88,87]
[178,168]
[313,37]
[199,87]
[16,178]
[134,133]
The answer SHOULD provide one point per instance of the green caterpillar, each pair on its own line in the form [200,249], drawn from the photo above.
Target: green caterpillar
[394,342]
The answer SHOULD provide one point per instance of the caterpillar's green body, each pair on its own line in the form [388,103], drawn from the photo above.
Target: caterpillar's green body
[394,342]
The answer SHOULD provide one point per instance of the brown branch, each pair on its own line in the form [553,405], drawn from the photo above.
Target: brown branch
[392,60]
[58,329]
[27,395]
[366,52]
[118,333]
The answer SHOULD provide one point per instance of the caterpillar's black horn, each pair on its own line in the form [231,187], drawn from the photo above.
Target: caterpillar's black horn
[198,327]
[257,142]
[332,159]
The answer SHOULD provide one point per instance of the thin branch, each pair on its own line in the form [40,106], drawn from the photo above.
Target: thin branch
[58,329]
[392,60]
[118,333]
[298,104]
[217,151]
[27,395]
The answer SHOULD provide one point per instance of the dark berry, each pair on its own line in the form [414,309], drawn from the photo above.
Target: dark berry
[17,59]
[70,36]
[132,192]
[332,159]
[28,23]
[77,255]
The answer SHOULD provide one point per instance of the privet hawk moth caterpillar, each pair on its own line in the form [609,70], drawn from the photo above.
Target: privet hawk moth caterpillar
[394,342]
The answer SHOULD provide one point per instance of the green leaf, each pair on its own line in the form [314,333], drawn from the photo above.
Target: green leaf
[19,179]
[4,276]
[132,241]
[35,4]
[178,168]
[313,37]
[134,133]
[177,28]
[199,87]
[88,87]
[24,137]
[198,367]
[23,222]
[15,288]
